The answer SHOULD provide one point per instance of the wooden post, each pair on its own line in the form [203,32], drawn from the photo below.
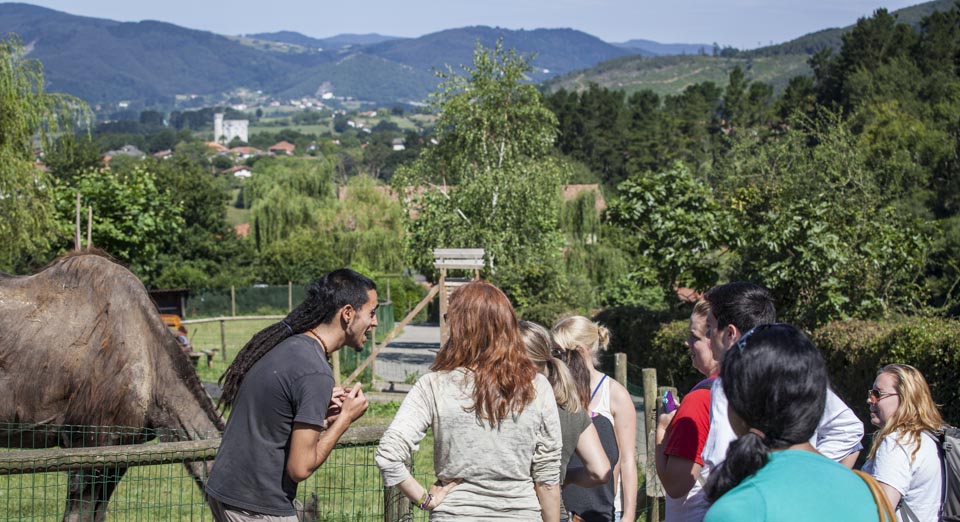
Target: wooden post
[89,227]
[337,378]
[76,237]
[289,296]
[620,369]
[223,340]
[393,333]
[233,301]
[650,425]
[388,291]
[444,332]
[396,506]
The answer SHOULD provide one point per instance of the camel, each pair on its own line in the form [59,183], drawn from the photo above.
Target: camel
[82,345]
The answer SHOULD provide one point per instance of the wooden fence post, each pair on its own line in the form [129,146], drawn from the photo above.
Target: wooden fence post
[89,227]
[223,341]
[396,506]
[620,368]
[233,301]
[650,425]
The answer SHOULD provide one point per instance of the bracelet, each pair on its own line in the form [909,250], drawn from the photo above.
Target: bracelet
[426,500]
[423,498]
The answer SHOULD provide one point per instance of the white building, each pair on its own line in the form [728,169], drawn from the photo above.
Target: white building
[224,131]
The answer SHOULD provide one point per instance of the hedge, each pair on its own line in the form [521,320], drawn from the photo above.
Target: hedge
[854,351]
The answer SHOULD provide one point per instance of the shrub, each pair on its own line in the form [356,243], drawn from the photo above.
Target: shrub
[855,350]
[651,339]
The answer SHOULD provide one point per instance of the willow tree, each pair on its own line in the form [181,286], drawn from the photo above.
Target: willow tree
[28,115]
[490,181]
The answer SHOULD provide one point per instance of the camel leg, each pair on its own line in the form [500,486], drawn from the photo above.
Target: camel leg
[88,493]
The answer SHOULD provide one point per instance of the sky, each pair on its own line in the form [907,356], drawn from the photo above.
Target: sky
[744,24]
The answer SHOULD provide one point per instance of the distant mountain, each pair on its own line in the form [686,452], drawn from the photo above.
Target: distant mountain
[556,51]
[104,61]
[334,42]
[774,64]
[651,48]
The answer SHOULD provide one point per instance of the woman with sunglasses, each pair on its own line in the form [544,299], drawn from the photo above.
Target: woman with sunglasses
[904,457]
[496,431]
[776,382]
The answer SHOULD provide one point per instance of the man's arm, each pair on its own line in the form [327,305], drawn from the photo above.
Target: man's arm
[310,447]
[839,432]
[625,417]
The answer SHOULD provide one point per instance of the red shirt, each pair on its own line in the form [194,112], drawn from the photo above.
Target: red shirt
[689,428]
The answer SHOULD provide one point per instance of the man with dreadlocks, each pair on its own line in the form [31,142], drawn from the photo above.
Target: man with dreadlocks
[286,415]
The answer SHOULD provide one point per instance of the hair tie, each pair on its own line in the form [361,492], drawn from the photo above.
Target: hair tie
[758,433]
[287,325]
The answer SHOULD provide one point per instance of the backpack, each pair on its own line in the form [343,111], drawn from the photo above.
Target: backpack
[948,445]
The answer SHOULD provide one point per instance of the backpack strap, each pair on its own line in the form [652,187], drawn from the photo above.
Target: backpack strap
[905,511]
[884,512]
[705,384]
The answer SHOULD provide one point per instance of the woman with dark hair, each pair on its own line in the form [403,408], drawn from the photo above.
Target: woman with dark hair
[496,430]
[776,383]
[579,434]
[904,457]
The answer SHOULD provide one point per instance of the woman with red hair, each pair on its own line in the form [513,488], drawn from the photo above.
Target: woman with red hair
[496,430]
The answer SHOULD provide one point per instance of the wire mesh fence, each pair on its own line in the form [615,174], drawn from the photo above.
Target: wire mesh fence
[161,481]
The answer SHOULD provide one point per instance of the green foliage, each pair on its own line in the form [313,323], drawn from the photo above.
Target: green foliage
[855,350]
[813,226]
[286,195]
[133,221]
[675,224]
[28,220]
[494,137]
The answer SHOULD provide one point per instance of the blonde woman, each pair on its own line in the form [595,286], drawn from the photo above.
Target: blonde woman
[608,398]
[904,457]
[578,433]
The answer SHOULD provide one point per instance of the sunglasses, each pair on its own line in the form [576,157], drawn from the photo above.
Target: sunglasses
[742,341]
[876,394]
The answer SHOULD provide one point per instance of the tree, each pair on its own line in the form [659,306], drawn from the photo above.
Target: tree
[674,224]
[28,218]
[495,136]
[132,218]
[813,226]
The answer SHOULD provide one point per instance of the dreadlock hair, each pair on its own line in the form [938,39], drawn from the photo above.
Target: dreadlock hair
[325,297]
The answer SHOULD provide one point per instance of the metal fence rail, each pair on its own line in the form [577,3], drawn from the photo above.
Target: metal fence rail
[157,486]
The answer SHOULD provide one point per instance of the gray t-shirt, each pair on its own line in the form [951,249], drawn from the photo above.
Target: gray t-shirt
[291,383]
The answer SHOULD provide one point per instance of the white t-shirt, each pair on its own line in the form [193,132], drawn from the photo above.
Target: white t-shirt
[838,434]
[919,482]
[690,508]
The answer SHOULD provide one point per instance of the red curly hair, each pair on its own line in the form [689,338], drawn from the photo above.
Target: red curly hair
[485,338]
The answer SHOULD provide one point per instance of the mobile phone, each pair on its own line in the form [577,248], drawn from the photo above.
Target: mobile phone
[669,403]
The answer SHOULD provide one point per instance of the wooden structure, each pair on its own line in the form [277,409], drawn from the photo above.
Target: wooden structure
[444,259]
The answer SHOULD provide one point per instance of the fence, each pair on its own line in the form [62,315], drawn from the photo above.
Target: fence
[157,486]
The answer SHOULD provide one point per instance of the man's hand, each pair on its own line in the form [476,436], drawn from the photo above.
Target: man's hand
[353,404]
[336,403]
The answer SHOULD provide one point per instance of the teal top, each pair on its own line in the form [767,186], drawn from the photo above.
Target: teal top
[797,485]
